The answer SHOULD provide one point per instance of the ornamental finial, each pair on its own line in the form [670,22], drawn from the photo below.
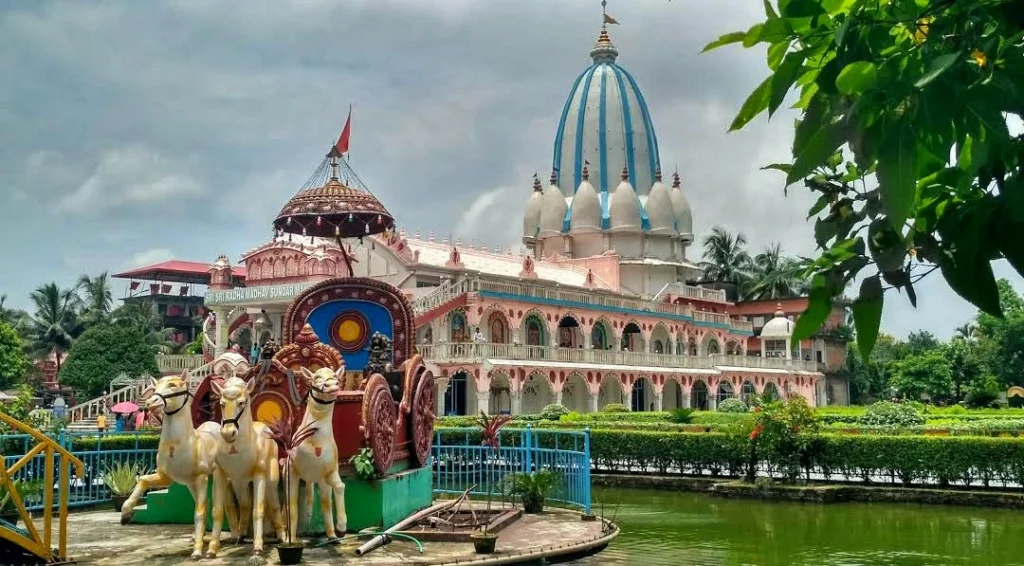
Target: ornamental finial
[675,180]
[586,170]
[604,51]
[657,173]
[536,183]
[625,173]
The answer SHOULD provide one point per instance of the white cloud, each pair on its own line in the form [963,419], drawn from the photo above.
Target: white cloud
[129,175]
[148,257]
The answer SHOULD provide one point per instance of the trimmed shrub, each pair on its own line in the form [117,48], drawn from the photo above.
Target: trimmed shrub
[733,405]
[553,412]
[614,408]
[680,416]
[887,413]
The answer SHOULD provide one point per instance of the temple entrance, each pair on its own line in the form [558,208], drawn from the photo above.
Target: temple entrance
[642,395]
[699,396]
[456,397]
[632,338]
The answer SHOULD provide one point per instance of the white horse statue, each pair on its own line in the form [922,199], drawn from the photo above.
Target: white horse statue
[316,460]
[246,455]
[186,455]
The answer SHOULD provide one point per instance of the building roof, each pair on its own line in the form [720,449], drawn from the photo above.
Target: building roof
[176,271]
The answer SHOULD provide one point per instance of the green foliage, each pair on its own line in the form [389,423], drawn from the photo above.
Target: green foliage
[1002,340]
[614,408]
[103,352]
[926,373]
[30,491]
[890,414]
[13,364]
[533,488]
[115,442]
[553,412]
[121,477]
[363,464]
[733,405]
[681,416]
[902,85]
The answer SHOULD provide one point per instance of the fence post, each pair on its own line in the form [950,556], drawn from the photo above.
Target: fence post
[586,469]
[528,449]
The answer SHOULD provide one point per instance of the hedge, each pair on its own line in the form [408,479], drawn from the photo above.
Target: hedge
[909,460]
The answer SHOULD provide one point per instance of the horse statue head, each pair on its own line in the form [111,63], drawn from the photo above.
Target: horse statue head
[324,384]
[169,394]
[234,405]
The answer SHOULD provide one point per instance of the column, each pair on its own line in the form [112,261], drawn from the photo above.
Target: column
[222,325]
[440,388]
[659,399]
[517,401]
[483,402]
[558,397]
[713,399]
[592,401]
[684,398]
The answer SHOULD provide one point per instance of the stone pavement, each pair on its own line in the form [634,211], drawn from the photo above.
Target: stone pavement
[98,538]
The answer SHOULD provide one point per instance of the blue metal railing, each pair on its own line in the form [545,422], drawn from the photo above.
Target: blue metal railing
[461,462]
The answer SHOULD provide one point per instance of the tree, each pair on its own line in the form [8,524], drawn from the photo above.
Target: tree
[102,353]
[967,331]
[902,85]
[54,325]
[921,341]
[725,259]
[927,372]
[871,380]
[1001,340]
[96,297]
[966,369]
[141,316]
[774,276]
[13,364]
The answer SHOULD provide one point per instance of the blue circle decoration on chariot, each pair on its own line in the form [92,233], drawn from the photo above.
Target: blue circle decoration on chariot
[350,331]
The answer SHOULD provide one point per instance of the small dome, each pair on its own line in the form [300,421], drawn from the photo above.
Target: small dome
[624,208]
[585,213]
[531,221]
[681,210]
[659,207]
[778,327]
[552,212]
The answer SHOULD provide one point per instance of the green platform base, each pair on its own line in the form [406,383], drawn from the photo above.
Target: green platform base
[378,503]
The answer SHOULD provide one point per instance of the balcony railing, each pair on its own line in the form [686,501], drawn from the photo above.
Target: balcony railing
[475,352]
[190,362]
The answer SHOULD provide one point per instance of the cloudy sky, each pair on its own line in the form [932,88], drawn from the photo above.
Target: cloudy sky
[134,132]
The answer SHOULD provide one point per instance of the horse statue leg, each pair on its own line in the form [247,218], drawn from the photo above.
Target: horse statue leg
[220,501]
[274,502]
[338,486]
[244,498]
[292,493]
[259,496]
[198,489]
[325,508]
[146,482]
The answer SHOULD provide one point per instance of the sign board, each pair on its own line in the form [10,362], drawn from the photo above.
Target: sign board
[255,294]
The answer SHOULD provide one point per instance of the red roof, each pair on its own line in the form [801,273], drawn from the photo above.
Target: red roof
[175,271]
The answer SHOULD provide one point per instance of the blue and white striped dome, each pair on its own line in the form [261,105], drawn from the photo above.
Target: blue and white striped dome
[605,124]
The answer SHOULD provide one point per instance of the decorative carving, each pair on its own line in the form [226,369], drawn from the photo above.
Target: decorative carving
[381,354]
[380,415]
[454,259]
[529,269]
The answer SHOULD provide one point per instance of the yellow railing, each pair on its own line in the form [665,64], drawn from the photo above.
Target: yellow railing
[36,542]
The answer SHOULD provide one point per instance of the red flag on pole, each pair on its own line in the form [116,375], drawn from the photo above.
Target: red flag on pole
[342,145]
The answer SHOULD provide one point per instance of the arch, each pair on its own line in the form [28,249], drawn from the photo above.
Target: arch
[460,395]
[733,348]
[642,395]
[671,395]
[611,391]
[458,327]
[632,338]
[498,329]
[500,400]
[535,330]
[691,347]
[427,336]
[570,333]
[771,392]
[725,391]
[699,395]
[680,346]
[661,342]
[575,393]
[748,392]
[602,337]
[711,345]
[536,393]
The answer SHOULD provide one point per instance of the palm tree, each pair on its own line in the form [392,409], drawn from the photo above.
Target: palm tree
[775,276]
[97,299]
[142,316]
[54,325]
[725,260]
[17,318]
[967,331]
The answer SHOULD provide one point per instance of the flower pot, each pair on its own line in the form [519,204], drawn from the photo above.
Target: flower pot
[483,543]
[118,501]
[290,552]
[533,505]
[11,516]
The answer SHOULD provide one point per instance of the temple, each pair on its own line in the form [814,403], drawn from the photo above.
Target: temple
[593,309]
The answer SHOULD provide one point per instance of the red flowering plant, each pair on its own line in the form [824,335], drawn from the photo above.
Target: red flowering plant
[490,427]
[288,434]
[782,433]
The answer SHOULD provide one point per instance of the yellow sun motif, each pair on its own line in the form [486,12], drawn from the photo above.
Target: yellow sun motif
[269,411]
[349,330]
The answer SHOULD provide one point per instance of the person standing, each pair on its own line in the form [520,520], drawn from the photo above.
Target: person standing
[101,423]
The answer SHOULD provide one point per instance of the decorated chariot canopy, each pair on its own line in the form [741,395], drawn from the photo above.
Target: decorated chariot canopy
[334,203]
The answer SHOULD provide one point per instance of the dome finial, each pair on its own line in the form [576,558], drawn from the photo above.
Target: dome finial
[778,310]
[536,183]
[657,173]
[604,51]
[625,173]
[586,170]
[554,177]
[675,180]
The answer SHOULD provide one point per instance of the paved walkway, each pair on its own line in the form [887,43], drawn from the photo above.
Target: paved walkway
[99,538]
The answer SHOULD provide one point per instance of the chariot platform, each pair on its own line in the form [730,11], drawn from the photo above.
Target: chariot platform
[555,535]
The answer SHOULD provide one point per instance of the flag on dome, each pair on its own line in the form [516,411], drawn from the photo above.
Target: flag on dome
[346,132]
[610,20]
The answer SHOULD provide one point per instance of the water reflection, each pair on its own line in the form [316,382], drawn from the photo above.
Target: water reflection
[667,528]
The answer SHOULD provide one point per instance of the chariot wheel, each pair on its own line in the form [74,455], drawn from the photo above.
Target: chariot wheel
[380,415]
[422,421]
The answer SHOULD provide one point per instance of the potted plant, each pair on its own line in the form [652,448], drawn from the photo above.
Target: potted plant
[532,488]
[484,541]
[288,435]
[362,462]
[120,479]
[28,490]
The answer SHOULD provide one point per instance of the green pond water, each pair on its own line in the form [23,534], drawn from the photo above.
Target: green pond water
[670,528]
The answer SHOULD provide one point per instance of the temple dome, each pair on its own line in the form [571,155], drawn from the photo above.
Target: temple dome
[624,209]
[681,210]
[778,327]
[659,207]
[605,122]
[552,212]
[585,212]
[531,221]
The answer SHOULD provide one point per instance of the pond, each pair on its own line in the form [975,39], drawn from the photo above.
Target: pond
[672,528]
